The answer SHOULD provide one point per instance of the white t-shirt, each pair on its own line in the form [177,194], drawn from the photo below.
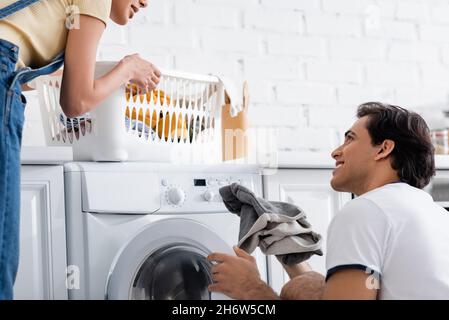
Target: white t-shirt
[398,232]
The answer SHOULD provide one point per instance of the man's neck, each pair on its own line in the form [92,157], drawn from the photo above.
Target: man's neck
[377,182]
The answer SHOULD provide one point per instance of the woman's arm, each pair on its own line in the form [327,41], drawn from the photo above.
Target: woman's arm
[80,92]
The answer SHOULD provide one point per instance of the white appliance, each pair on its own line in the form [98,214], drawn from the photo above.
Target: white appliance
[143,230]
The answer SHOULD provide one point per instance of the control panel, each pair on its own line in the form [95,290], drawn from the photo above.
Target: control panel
[200,193]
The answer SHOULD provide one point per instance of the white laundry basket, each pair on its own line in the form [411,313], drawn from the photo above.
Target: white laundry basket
[177,122]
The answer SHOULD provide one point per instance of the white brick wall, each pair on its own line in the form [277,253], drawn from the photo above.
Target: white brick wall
[336,71]
[418,10]
[400,30]
[434,33]
[440,13]
[414,52]
[392,73]
[187,14]
[331,25]
[309,63]
[271,19]
[286,45]
[358,48]
[295,93]
[356,7]
[306,6]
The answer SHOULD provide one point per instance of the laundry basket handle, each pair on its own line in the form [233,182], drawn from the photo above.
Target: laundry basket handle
[190,76]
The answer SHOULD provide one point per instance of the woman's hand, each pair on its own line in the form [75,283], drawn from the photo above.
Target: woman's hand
[141,72]
[238,277]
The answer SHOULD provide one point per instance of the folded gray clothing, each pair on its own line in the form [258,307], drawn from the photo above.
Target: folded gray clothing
[278,228]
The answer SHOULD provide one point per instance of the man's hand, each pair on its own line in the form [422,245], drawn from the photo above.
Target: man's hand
[238,277]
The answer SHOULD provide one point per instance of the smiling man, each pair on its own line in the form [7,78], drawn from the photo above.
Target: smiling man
[390,242]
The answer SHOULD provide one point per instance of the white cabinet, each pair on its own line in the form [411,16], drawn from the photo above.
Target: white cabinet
[42,264]
[439,188]
[310,190]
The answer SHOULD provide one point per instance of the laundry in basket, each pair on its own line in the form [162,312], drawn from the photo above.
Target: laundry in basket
[179,120]
[76,124]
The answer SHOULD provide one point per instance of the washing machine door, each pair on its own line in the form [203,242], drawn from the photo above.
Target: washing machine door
[166,261]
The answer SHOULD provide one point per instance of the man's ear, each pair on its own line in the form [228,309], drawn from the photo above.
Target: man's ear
[385,149]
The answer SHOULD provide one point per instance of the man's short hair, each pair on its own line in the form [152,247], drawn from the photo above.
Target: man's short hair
[413,154]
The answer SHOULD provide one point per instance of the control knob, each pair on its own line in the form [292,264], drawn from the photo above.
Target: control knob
[209,195]
[176,196]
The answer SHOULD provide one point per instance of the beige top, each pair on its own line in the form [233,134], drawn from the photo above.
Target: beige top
[41,30]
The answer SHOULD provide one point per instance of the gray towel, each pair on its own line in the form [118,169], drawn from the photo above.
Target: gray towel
[278,228]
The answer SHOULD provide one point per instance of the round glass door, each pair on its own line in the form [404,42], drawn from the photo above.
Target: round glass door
[173,272]
[166,260]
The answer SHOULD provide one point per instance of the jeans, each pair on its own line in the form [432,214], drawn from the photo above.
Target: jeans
[12,107]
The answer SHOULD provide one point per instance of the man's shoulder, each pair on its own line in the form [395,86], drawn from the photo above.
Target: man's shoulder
[357,203]
[361,209]
[397,195]
[390,202]
[393,189]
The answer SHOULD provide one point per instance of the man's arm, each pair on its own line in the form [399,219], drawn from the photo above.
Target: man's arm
[306,286]
[347,284]
[239,278]
[297,269]
[351,284]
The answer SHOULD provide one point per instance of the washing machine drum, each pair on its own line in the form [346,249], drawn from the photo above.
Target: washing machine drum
[166,261]
[176,272]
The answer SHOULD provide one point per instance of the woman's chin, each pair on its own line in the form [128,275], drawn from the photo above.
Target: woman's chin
[120,20]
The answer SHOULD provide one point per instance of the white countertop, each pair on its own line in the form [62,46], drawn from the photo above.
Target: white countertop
[46,155]
[302,160]
[315,160]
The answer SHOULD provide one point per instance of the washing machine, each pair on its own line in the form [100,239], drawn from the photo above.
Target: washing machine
[144,230]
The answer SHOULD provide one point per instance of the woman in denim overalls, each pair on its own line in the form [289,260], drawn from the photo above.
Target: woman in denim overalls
[80,92]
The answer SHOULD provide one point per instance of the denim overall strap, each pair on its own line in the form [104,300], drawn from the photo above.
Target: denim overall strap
[16,6]
[27,74]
